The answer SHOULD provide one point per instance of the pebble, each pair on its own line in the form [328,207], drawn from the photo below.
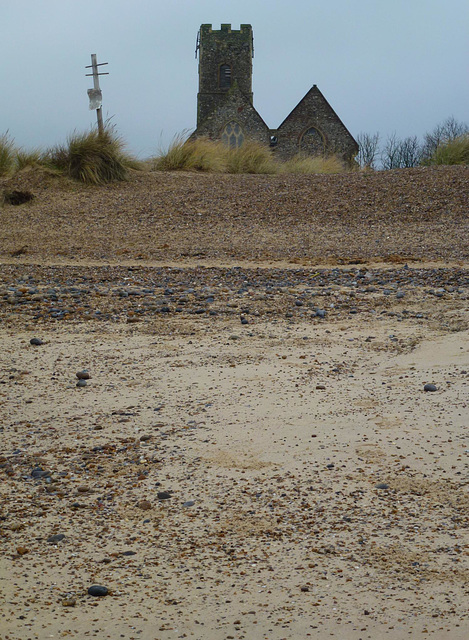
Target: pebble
[36,341]
[430,387]
[144,504]
[163,495]
[56,538]
[189,503]
[69,602]
[39,473]
[81,383]
[83,375]
[98,590]
[382,485]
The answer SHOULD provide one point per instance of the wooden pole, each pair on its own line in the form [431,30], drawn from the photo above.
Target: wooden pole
[99,112]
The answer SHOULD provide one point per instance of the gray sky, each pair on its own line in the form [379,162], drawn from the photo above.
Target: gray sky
[384,65]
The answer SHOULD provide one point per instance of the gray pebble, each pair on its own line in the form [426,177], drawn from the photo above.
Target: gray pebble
[98,590]
[55,538]
[81,383]
[430,387]
[36,341]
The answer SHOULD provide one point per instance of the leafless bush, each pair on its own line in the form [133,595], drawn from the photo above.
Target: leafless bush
[368,153]
[400,154]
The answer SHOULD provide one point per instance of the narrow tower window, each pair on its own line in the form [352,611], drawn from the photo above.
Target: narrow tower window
[224,78]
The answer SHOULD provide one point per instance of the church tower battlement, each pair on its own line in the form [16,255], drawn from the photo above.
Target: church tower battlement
[225,61]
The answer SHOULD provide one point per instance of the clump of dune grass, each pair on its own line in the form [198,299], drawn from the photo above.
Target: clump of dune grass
[203,154]
[33,158]
[455,151]
[251,157]
[7,154]
[92,157]
[318,164]
[199,154]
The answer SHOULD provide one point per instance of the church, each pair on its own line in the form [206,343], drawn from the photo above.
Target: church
[225,109]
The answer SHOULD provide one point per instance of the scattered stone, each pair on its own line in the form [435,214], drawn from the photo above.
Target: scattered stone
[163,495]
[69,602]
[21,551]
[36,341]
[189,503]
[320,387]
[129,553]
[305,588]
[81,383]
[98,590]
[144,504]
[83,375]
[39,473]
[430,387]
[56,538]
[382,485]
[320,313]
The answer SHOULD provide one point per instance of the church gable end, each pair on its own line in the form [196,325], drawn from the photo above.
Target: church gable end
[314,128]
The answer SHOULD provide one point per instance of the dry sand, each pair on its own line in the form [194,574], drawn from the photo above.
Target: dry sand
[316,490]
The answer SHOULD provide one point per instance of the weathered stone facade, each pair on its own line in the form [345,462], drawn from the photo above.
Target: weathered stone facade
[225,109]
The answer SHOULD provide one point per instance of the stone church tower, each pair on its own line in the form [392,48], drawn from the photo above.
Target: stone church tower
[225,109]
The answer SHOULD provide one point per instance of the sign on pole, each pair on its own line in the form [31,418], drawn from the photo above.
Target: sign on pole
[95,95]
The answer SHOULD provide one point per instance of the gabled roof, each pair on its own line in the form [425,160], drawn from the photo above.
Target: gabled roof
[315,97]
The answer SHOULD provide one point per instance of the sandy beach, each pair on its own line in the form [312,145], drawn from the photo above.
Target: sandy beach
[270,436]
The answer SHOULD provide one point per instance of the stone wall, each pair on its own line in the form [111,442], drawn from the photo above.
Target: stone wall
[314,112]
[223,47]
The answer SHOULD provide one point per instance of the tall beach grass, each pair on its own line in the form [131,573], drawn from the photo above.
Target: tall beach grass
[202,154]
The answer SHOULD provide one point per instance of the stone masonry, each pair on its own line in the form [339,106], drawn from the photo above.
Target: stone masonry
[225,109]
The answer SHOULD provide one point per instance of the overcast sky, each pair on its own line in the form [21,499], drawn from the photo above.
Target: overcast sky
[384,65]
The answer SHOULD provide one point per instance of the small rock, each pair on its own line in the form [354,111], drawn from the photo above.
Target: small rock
[382,485]
[189,503]
[144,504]
[305,588]
[430,387]
[21,551]
[98,591]
[320,313]
[81,383]
[321,387]
[56,538]
[69,602]
[163,495]
[83,375]
[36,341]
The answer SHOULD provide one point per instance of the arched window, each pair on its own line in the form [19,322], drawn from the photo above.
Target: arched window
[232,135]
[312,142]
[224,76]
